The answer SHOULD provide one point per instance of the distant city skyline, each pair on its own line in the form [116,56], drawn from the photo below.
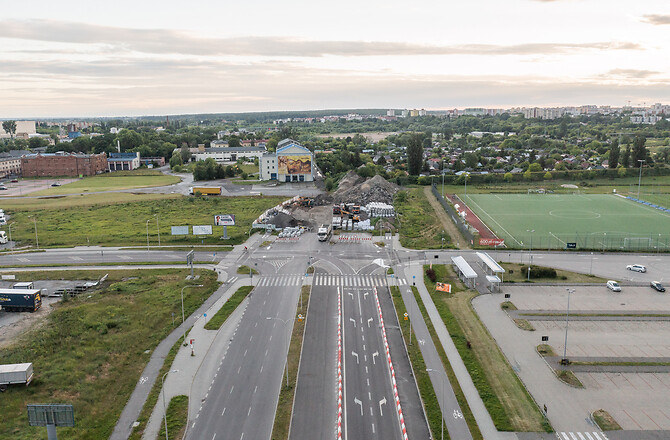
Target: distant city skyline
[155,58]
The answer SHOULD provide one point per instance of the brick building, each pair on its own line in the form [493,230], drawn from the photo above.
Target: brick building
[63,164]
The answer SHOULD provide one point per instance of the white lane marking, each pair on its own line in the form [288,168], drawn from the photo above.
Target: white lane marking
[231,389]
[369,320]
[353,353]
[382,402]
[214,436]
[358,402]
[376,353]
[224,411]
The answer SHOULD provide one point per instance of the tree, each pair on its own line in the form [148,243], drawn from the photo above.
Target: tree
[414,154]
[639,151]
[528,175]
[535,167]
[508,177]
[471,159]
[9,127]
[615,152]
[185,154]
[621,171]
[234,142]
[381,161]
[625,160]
[563,129]
[547,176]
[175,160]
[36,142]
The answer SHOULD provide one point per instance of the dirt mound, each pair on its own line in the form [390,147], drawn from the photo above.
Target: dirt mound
[349,180]
[376,189]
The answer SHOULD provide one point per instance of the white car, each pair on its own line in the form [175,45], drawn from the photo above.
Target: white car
[613,286]
[636,268]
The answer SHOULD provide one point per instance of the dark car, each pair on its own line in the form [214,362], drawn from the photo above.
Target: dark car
[3,188]
[658,286]
[15,180]
[55,184]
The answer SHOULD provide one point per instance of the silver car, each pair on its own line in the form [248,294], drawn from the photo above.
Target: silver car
[636,268]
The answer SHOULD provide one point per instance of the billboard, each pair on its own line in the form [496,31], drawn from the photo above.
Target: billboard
[202,230]
[443,287]
[179,230]
[224,220]
[297,164]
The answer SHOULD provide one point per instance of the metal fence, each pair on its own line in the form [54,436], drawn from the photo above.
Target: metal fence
[460,224]
[609,241]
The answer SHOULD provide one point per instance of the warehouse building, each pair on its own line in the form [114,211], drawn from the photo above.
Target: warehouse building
[123,161]
[229,154]
[63,164]
[291,163]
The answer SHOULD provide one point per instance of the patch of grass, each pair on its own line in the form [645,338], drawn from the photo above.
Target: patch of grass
[605,421]
[126,224]
[228,307]
[245,270]
[69,202]
[265,243]
[91,350]
[430,403]
[389,271]
[110,182]
[513,275]
[510,405]
[380,244]
[310,269]
[284,410]
[523,324]
[508,305]
[420,227]
[622,364]
[565,376]
[177,415]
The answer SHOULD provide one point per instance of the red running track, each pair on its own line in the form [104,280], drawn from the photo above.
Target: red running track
[472,218]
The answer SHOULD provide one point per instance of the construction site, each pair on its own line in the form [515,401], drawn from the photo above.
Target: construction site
[357,204]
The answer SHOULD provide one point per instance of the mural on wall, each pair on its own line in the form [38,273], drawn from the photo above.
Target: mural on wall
[299,164]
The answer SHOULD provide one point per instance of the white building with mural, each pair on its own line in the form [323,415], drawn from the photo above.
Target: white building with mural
[290,163]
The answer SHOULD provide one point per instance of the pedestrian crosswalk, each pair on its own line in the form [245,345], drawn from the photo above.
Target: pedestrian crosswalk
[581,436]
[352,280]
[281,280]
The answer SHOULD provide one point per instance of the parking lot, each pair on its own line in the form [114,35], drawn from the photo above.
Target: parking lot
[26,186]
[637,400]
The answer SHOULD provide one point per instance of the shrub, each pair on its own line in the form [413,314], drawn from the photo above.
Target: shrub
[430,273]
[539,272]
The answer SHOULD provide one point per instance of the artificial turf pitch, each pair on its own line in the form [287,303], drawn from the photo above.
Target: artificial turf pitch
[593,221]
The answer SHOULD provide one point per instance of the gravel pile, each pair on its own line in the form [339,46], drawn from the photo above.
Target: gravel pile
[376,189]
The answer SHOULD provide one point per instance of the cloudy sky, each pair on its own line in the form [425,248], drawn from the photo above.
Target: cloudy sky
[74,58]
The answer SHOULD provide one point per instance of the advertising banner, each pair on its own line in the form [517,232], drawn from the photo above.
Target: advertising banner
[299,164]
[179,230]
[224,220]
[491,242]
[443,287]
[202,230]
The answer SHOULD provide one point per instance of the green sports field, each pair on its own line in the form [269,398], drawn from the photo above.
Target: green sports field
[593,221]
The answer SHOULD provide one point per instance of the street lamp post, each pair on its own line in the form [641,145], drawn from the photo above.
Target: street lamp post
[148,234]
[182,306]
[10,233]
[639,180]
[565,361]
[159,231]
[430,370]
[285,322]
[530,251]
[164,409]
[37,241]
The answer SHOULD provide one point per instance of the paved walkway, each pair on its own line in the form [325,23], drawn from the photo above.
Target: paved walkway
[475,402]
[183,382]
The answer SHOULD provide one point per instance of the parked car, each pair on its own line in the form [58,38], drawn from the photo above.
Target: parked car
[636,268]
[658,286]
[55,184]
[3,188]
[15,180]
[613,286]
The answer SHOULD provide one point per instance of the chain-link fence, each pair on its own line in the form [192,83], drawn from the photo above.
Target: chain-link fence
[611,241]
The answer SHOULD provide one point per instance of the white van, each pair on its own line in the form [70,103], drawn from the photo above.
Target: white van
[3,237]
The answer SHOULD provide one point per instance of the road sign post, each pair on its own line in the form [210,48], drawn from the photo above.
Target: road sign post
[189,260]
[51,415]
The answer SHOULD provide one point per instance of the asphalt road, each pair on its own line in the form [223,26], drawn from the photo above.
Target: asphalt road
[243,396]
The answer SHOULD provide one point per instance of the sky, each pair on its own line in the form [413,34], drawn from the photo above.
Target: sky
[131,58]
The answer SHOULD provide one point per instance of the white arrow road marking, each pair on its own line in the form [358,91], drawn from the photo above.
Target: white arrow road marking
[382,402]
[353,353]
[353,320]
[369,320]
[358,402]
[365,295]
[458,414]
[351,294]
[376,353]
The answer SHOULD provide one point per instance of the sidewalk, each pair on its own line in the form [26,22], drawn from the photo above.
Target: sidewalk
[475,402]
[183,382]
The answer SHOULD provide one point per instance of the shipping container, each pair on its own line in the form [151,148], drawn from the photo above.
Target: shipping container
[20,300]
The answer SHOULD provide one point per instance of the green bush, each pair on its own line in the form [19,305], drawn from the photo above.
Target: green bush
[539,272]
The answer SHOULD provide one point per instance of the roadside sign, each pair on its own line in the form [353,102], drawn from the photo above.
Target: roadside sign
[202,230]
[179,230]
[443,287]
[571,245]
[300,317]
[224,220]
[491,242]
[406,316]
[50,414]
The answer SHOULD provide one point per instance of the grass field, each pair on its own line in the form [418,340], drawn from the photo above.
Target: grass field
[90,350]
[593,221]
[126,224]
[110,182]
[420,227]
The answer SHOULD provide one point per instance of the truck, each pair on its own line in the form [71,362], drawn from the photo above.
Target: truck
[15,374]
[20,300]
[324,232]
[205,191]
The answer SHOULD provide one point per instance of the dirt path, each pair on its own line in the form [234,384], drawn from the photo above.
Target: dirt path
[449,226]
